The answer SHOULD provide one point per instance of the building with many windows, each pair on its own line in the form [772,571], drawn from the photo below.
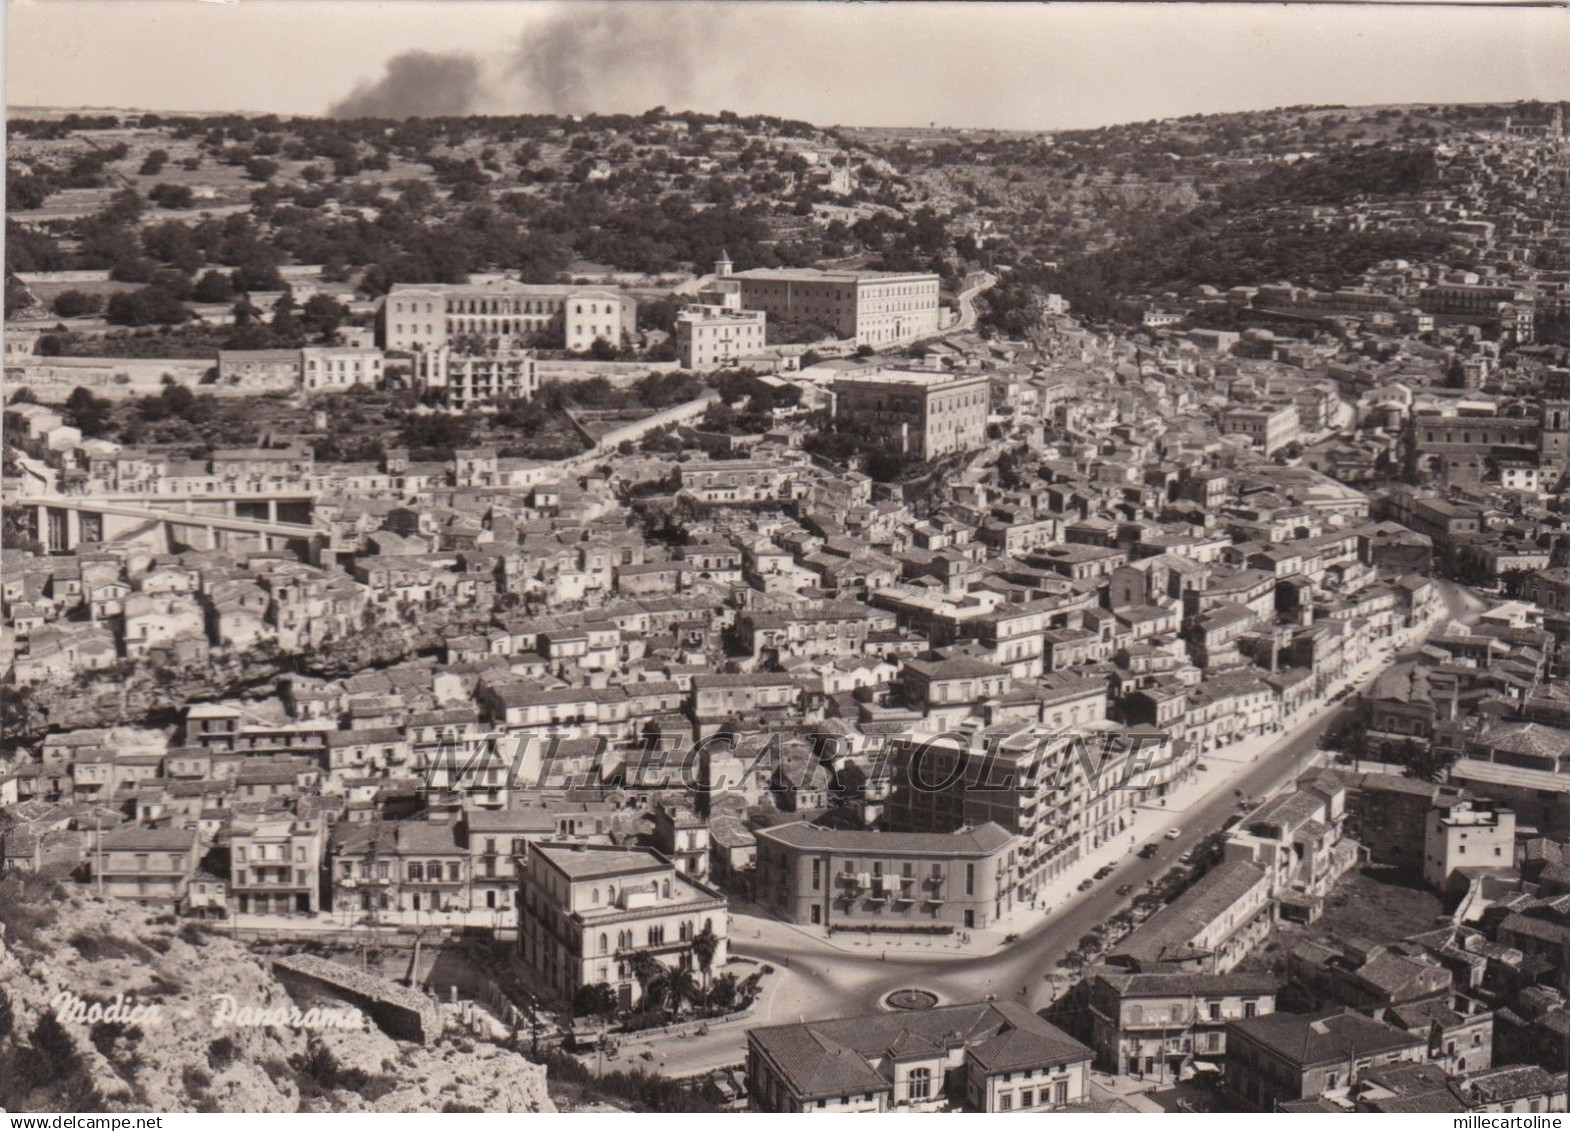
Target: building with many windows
[418,316]
[275,866]
[713,337]
[1268,429]
[991,1056]
[921,414]
[470,380]
[1148,1025]
[589,910]
[853,878]
[876,308]
[152,866]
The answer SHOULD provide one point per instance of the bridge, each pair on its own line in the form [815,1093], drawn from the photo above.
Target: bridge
[200,523]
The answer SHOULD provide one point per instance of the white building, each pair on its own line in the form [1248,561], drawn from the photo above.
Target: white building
[1466,835]
[466,380]
[714,337]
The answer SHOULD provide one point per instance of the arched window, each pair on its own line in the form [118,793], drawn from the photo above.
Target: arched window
[604,942]
[594,896]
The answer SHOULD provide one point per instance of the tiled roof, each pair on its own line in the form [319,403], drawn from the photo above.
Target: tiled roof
[836,1057]
[1319,1038]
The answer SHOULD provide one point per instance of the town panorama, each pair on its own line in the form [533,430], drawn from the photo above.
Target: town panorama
[710,612]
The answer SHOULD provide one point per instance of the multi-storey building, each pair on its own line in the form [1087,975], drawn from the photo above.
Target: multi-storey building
[468,380]
[923,414]
[152,866]
[1463,837]
[1283,1057]
[417,317]
[326,369]
[1147,1025]
[987,1056]
[683,836]
[1268,429]
[713,337]
[588,910]
[849,878]
[875,308]
[1033,782]
[275,866]
[1208,929]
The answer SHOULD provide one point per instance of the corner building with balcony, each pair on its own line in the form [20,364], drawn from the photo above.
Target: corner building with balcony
[852,879]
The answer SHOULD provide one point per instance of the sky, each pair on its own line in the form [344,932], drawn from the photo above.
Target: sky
[1004,66]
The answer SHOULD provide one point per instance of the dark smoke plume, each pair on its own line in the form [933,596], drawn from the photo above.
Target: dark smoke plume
[610,57]
[418,84]
[607,57]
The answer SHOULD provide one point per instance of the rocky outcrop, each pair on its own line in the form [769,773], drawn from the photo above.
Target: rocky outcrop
[160,1015]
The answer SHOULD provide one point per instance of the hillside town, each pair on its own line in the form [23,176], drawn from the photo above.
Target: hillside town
[843,663]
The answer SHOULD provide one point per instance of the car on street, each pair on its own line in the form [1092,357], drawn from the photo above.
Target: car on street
[1086,885]
[1189,857]
[1148,851]
[1124,889]
[1173,834]
[1105,870]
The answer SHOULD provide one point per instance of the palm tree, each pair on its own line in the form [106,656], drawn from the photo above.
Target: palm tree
[682,986]
[645,968]
[704,944]
[657,991]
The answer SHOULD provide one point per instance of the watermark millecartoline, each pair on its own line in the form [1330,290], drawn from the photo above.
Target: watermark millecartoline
[224,1013]
[1112,759]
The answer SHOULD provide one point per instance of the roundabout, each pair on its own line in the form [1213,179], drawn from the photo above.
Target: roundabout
[910,999]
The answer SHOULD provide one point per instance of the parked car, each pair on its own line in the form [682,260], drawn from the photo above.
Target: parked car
[1148,851]
[1086,885]
[1189,857]
[1173,834]
[1105,871]
[1124,889]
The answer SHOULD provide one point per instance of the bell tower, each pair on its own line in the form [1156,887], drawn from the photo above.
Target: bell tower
[1554,442]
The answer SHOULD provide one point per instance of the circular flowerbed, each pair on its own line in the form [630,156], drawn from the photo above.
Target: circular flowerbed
[911,999]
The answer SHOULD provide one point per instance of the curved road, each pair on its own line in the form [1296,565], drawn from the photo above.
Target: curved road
[859,982]
[967,305]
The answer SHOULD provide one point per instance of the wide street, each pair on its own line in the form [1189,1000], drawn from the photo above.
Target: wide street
[818,979]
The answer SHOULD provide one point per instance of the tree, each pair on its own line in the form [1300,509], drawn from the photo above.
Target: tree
[172,197]
[322,315]
[597,999]
[682,987]
[260,169]
[89,413]
[76,304]
[213,286]
[284,324]
[17,296]
[1425,761]
[646,970]
[154,163]
[722,991]
[146,307]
